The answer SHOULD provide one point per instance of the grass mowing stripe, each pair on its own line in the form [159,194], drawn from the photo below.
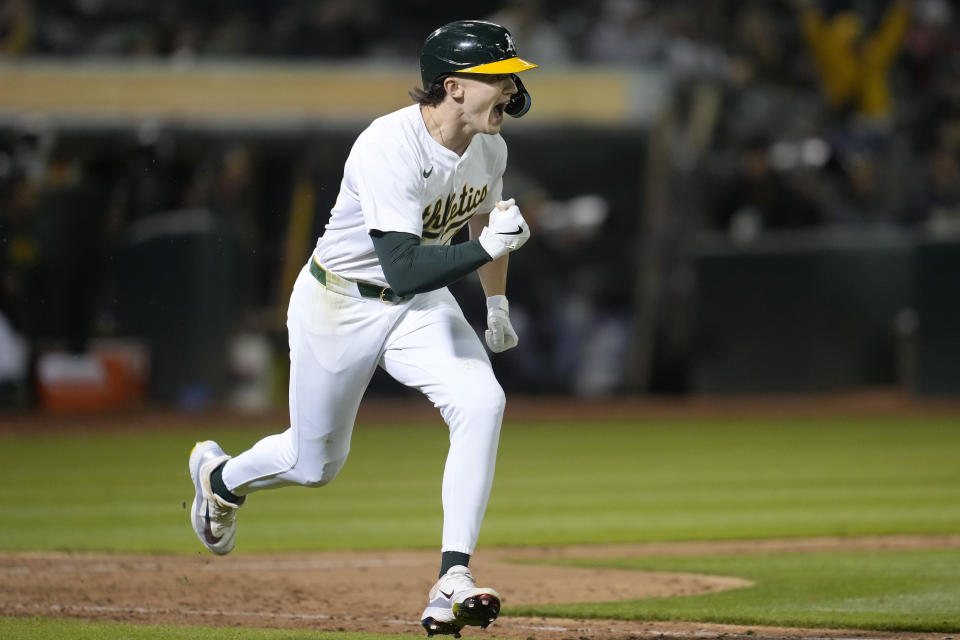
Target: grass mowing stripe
[881,590]
[49,628]
[557,482]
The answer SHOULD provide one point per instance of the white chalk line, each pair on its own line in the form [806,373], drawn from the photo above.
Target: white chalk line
[80,608]
[77,608]
[661,633]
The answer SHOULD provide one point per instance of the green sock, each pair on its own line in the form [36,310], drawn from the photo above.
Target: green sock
[451,559]
[216,483]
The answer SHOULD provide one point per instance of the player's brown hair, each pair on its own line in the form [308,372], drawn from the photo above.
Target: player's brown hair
[431,97]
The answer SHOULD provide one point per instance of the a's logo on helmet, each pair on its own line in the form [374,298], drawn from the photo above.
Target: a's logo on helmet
[510,46]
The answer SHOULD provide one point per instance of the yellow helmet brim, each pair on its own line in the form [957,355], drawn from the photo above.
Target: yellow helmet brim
[510,65]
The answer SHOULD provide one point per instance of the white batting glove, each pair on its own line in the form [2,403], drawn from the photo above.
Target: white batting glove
[506,231]
[500,336]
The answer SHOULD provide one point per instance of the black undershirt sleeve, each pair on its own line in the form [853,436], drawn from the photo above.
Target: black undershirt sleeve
[414,268]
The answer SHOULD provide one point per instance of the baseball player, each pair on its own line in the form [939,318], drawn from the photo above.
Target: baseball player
[374,294]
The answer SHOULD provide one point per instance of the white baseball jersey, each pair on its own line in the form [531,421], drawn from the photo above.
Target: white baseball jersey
[398,178]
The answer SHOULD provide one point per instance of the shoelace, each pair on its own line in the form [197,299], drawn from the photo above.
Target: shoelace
[223,515]
[458,582]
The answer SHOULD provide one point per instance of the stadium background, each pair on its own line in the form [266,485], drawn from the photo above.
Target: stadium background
[738,318]
[716,210]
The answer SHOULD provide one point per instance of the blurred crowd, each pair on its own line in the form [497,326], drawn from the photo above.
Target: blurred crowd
[839,113]
[788,115]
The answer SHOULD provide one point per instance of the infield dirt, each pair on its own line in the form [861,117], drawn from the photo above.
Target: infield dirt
[384,592]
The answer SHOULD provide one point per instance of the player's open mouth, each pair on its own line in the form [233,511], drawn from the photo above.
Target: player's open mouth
[498,109]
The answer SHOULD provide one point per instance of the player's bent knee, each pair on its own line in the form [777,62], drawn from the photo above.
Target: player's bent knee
[491,392]
[482,399]
[320,475]
[497,398]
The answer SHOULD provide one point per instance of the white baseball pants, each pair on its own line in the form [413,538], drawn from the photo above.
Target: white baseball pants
[336,343]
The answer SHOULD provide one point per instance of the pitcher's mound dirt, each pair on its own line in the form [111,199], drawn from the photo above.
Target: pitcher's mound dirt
[384,592]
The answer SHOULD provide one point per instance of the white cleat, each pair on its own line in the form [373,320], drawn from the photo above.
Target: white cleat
[456,602]
[214,519]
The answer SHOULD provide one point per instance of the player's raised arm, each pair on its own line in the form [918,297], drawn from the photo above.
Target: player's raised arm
[411,267]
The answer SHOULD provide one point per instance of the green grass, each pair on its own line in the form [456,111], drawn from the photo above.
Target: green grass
[904,591]
[556,483]
[47,628]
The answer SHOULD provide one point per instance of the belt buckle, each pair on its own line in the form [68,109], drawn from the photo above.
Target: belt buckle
[383,292]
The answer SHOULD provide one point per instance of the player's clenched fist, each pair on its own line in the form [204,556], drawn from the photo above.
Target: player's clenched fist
[506,231]
[500,335]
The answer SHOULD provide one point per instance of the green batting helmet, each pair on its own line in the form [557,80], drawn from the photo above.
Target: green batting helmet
[474,46]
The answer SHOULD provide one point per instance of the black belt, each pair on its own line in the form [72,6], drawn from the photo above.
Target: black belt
[367,290]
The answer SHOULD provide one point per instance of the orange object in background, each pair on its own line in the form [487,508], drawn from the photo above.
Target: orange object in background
[111,375]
